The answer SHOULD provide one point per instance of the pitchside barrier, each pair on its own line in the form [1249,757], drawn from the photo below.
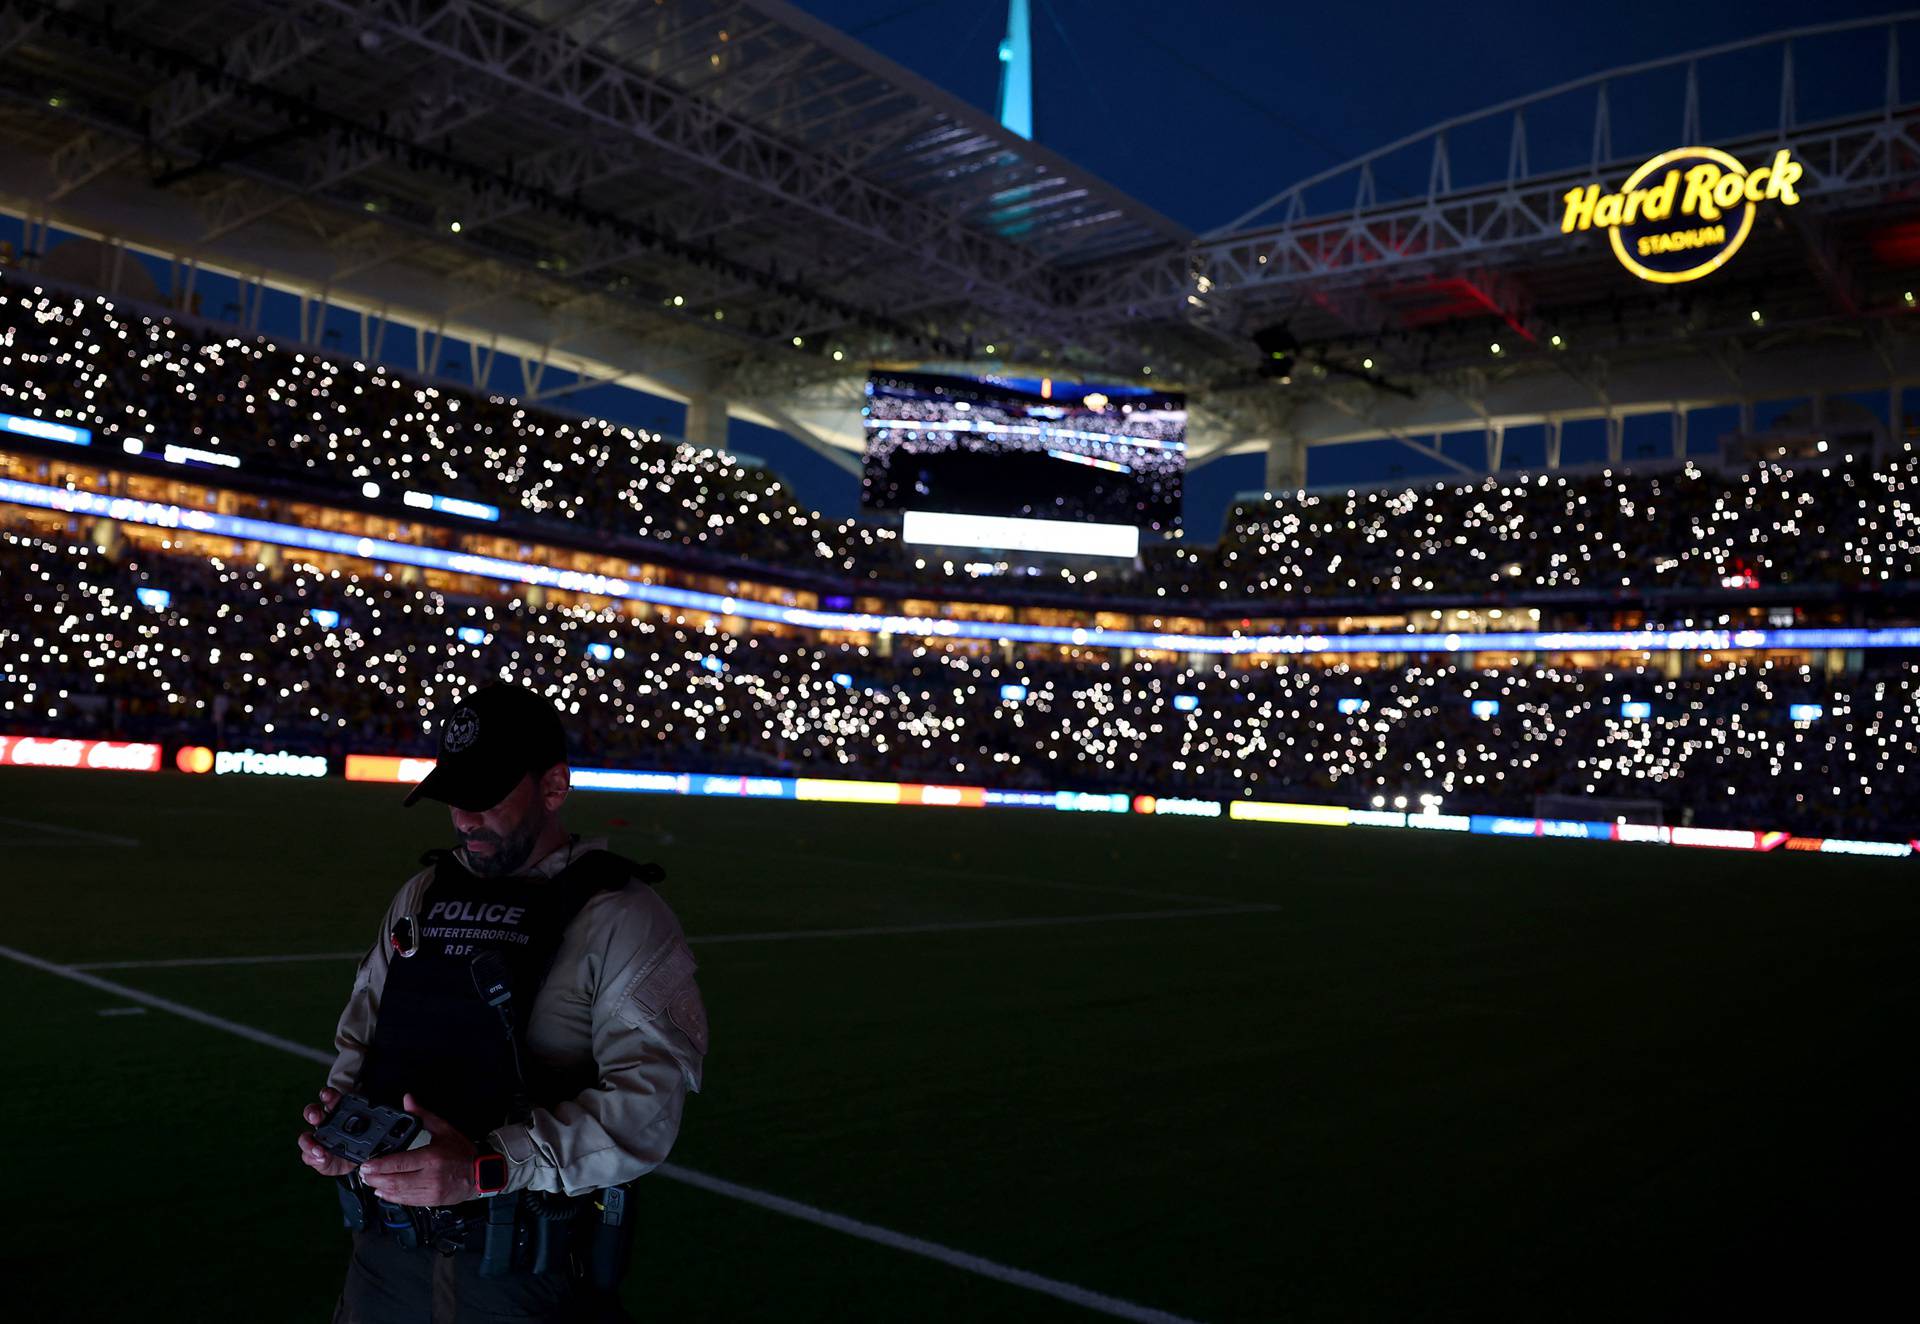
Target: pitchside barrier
[198,760]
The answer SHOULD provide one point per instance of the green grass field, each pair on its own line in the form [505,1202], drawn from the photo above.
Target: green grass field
[1359,1074]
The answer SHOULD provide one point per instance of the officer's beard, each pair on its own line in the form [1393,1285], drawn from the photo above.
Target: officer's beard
[509,853]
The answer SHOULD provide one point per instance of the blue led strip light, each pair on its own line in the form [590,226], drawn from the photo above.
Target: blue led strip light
[573,581]
[46,429]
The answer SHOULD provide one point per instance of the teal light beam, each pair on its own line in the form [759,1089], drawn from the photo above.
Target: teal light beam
[1016,71]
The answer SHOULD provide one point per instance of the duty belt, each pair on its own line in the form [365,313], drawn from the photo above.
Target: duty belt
[444,1228]
[531,1231]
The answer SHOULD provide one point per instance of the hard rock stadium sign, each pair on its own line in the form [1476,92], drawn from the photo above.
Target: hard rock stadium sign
[1692,220]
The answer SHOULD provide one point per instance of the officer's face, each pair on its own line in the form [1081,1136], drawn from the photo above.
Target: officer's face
[499,840]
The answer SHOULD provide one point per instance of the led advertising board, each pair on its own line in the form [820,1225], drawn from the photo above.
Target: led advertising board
[98,755]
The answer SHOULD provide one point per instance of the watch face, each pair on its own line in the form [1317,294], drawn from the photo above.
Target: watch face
[490,1173]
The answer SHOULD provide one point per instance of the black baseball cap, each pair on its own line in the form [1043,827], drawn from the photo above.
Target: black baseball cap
[489,740]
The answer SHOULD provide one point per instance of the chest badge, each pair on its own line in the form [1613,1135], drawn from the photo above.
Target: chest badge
[404,937]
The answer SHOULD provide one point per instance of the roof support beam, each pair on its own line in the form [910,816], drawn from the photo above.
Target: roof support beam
[584,383]
[1432,451]
[290,35]
[551,67]
[1488,233]
[806,436]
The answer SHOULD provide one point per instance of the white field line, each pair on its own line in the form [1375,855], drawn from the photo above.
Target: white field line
[959,1259]
[932,1250]
[85,834]
[180,1009]
[768,935]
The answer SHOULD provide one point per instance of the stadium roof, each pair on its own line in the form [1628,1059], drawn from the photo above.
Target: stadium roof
[674,191]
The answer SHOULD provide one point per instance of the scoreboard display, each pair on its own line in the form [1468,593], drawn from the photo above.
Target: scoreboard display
[1024,464]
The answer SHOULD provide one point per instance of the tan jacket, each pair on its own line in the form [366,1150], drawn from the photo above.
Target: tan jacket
[621,995]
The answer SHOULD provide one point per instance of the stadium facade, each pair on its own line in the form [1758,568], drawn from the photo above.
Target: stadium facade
[237,554]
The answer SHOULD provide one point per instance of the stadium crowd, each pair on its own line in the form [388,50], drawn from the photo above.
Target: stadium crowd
[348,427]
[344,427]
[180,648]
[1848,522]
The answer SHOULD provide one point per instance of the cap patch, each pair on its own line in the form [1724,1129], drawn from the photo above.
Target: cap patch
[463,728]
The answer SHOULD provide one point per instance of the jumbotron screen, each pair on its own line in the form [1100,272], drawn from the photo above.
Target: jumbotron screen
[1024,464]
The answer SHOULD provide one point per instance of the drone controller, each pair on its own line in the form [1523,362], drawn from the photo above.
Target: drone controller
[357,1130]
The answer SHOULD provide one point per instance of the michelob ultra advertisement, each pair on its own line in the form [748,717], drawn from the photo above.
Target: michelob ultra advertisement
[1685,213]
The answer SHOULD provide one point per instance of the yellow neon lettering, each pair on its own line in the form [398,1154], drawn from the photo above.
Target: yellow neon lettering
[1580,203]
[1717,187]
[1786,173]
[1699,197]
[1678,241]
[1659,203]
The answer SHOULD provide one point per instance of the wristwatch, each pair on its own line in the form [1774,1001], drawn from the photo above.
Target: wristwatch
[489,1172]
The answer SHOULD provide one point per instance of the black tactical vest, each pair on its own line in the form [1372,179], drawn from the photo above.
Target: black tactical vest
[434,1036]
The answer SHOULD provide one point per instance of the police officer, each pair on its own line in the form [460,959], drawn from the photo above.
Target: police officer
[531,1001]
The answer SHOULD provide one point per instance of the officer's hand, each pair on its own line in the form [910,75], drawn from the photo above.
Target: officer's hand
[439,1172]
[327,1165]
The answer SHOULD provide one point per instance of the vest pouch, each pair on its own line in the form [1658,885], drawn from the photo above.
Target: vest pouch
[503,1225]
[353,1205]
[404,1224]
